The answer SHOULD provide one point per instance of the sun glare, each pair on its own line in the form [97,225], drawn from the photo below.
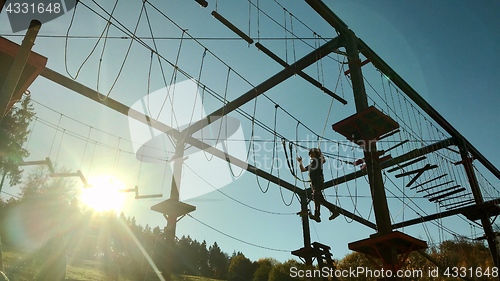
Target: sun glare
[104,194]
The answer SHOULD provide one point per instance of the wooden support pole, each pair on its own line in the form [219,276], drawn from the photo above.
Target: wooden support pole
[306,231]
[172,220]
[371,155]
[17,68]
[82,178]
[49,164]
[478,197]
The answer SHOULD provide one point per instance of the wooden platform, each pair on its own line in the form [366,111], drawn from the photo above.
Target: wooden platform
[303,252]
[368,125]
[173,208]
[402,243]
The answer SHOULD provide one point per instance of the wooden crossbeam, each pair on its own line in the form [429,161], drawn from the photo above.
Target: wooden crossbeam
[454,203]
[484,236]
[418,175]
[451,198]
[148,196]
[441,215]
[300,73]
[388,134]
[396,146]
[460,204]
[202,3]
[64,175]
[69,175]
[231,26]
[431,180]
[365,62]
[434,186]
[425,168]
[441,191]
[32,163]
[407,164]
[447,194]
[137,196]
[39,162]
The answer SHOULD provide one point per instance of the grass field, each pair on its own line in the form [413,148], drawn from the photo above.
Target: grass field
[18,267]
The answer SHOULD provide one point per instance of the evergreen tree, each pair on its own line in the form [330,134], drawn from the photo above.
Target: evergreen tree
[13,134]
[218,261]
[203,267]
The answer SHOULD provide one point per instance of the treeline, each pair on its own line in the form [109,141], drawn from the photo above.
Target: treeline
[48,221]
[122,248]
[54,231]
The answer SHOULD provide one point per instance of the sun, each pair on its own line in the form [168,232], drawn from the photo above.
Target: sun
[104,194]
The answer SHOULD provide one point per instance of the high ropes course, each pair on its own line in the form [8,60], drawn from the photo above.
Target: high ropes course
[393,142]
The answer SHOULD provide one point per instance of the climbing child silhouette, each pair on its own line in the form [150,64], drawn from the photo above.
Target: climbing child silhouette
[315,169]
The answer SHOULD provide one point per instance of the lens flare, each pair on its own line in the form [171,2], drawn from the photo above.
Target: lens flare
[104,194]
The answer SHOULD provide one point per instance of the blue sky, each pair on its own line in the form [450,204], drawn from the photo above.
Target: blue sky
[445,50]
